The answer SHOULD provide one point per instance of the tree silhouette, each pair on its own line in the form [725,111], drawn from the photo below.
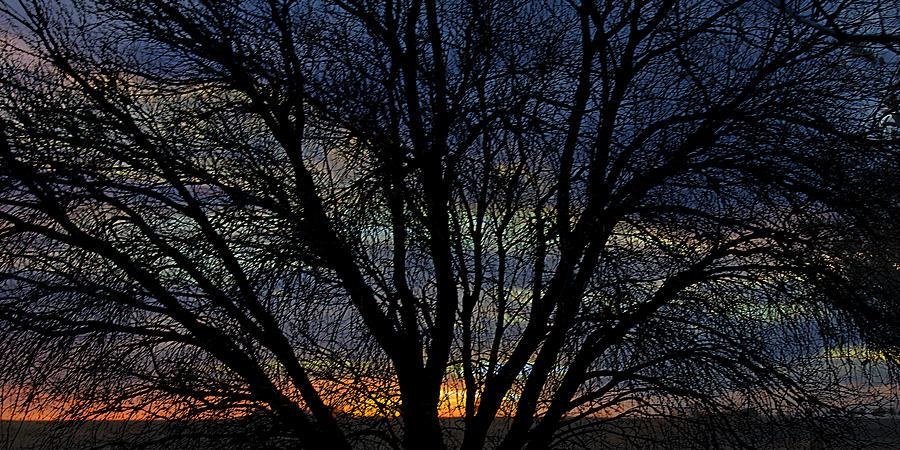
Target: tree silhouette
[552,220]
[865,22]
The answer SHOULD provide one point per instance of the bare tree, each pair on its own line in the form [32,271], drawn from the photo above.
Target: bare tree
[544,218]
[871,28]
[865,22]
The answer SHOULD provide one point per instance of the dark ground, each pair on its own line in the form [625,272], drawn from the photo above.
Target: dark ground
[869,433]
